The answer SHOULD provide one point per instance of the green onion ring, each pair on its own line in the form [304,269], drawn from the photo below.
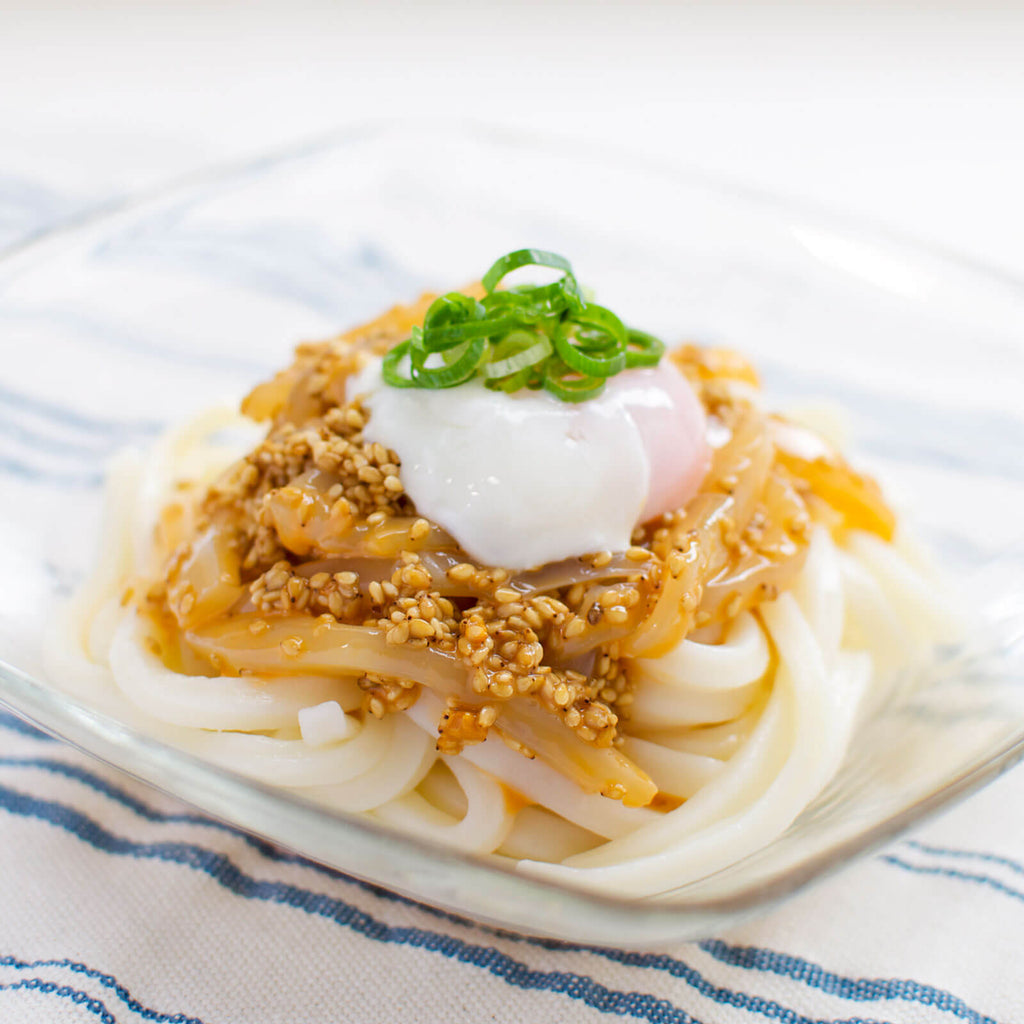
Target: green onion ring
[452,308]
[578,360]
[389,368]
[600,356]
[566,384]
[513,382]
[517,351]
[643,349]
[604,320]
[524,258]
[568,285]
[437,339]
[448,376]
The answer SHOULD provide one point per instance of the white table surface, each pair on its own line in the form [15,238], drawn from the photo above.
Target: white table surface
[906,114]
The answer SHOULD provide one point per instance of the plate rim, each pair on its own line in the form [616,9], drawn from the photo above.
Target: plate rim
[643,919]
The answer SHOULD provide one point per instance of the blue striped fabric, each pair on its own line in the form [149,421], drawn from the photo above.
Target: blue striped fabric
[53,788]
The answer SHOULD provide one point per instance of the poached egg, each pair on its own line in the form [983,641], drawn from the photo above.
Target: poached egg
[524,479]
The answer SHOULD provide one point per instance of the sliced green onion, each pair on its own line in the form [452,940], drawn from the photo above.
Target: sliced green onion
[546,314]
[457,372]
[643,349]
[592,365]
[513,382]
[565,383]
[593,342]
[604,321]
[527,336]
[524,258]
[437,339]
[452,308]
[517,351]
[568,285]
[540,301]
[389,368]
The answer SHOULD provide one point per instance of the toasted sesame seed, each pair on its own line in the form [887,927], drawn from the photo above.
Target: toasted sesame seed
[398,634]
[574,627]
[676,563]
[420,629]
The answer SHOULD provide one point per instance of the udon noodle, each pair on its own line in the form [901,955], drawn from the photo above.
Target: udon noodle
[629,720]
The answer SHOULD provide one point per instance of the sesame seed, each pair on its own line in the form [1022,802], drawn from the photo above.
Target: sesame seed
[676,563]
[398,634]
[574,627]
[420,629]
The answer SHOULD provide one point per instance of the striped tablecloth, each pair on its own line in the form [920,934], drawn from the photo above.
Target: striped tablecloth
[119,904]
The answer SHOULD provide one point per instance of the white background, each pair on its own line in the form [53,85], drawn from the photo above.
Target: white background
[911,114]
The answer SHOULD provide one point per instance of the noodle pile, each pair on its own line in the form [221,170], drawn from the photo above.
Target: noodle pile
[627,720]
